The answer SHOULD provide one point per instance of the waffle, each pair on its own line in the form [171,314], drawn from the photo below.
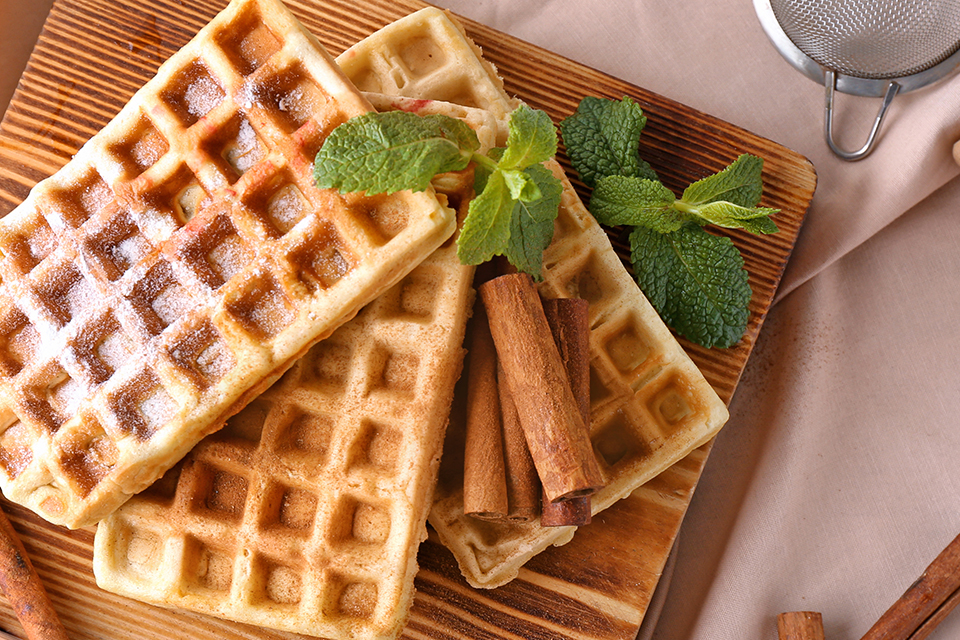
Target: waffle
[650,405]
[305,512]
[181,261]
[427,56]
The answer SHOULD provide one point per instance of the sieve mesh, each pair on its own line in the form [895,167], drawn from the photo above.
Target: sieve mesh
[872,39]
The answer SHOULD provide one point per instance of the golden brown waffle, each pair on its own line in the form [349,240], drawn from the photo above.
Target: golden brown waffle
[181,262]
[650,405]
[306,511]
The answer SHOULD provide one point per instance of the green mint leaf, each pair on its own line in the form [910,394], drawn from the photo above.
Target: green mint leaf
[759,226]
[393,151]
[621,200]
[731,216]
[696,281]
[602,139]
[486,229]
[522,186]
[531,228]
[532,139]
[739,183]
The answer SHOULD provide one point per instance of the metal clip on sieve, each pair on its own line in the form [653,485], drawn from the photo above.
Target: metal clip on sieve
[873,48]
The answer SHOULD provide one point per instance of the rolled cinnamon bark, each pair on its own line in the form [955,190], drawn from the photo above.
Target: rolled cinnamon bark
[569,320]
[523,483]
[925,602]
[23,589]
[549,413]
[484,474]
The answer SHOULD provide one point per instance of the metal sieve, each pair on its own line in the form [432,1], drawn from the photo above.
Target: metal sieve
[874,48]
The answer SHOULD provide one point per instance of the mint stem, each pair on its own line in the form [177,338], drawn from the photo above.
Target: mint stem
[483,161]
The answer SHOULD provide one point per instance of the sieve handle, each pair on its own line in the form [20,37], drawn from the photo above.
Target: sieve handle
[830,82]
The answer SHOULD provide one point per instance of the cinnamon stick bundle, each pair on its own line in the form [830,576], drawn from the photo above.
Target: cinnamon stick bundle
[549,413]
[569,322]
[484,474]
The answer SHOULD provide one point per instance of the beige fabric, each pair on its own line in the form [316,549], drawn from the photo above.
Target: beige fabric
[836,481]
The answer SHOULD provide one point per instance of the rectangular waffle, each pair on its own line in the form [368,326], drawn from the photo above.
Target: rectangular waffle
[650,405]
[305,512]
[181,261]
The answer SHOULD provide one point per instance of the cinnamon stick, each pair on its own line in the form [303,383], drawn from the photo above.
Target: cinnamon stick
[523,483]
[23,589]
[930,624]
[569,321]
[800,625]
[484,475]
[927,600]
[549,414]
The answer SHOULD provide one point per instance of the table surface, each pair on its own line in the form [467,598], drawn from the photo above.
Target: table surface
[835,482]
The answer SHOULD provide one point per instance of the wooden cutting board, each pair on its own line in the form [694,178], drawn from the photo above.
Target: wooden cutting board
[94,54]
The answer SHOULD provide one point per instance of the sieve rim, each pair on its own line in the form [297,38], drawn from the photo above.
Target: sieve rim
[852,85]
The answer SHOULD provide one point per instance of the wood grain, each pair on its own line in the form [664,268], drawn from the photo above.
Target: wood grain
[94,54]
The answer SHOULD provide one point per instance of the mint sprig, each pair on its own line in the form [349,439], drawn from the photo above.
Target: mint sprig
[531,222]
[695,280]
[727,199]
[517,198]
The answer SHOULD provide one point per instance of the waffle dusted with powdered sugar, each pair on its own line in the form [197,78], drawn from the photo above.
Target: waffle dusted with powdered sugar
[181,261]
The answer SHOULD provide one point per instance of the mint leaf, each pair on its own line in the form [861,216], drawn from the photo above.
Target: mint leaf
[602,139]
[518,200]
[726,214]
[739,183]
[760,226]
[532,139]
[522,187]
[621,200]
[531,228]
[696,281]
[729,198]
[487,227]
[393,151]
[482,170]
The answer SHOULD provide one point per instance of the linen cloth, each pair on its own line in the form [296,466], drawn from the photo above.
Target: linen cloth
[836,480]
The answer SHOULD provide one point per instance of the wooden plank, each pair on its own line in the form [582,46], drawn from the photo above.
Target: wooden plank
[94,54]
